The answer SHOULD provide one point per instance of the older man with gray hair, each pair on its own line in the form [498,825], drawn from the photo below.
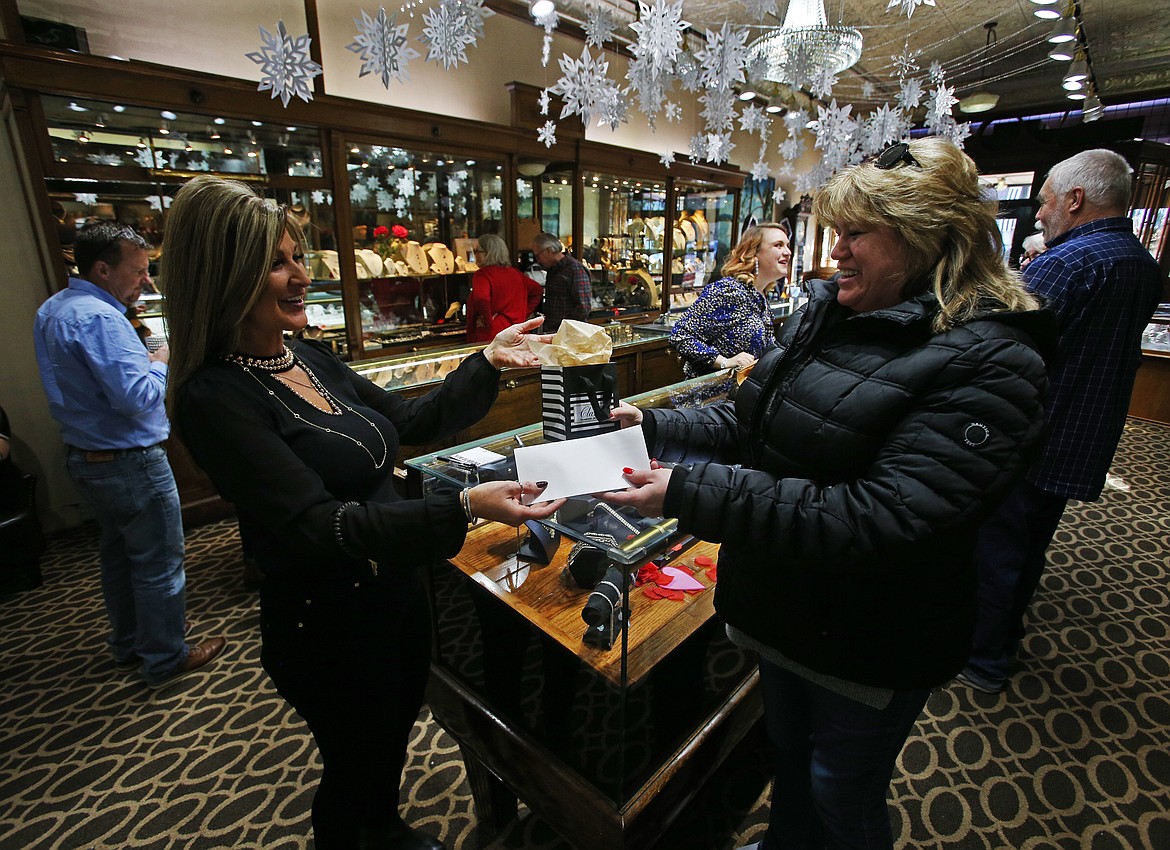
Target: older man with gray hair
[1103,285]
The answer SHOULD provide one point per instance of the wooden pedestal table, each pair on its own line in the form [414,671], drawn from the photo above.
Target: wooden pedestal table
[505,761]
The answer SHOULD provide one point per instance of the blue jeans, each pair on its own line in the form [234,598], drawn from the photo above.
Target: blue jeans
[1010,556]
[136,504]
[834,760]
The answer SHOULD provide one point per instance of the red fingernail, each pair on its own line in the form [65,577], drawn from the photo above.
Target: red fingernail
[626,470]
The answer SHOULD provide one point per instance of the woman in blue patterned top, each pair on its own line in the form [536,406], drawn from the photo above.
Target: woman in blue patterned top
[729,325]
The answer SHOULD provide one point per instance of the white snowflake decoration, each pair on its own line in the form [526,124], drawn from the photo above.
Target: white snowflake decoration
[384,199]
[910,94]
[957,133]
[718,110]
[822,82]
[760,10]
[318,197]
[87,198]
[908,6]
[450,28]
[723,58]
[549,23]
[359,193]
[104,159]
[942,99]
[381,44]
[373,183]
[659,29]
[159,202]
[882,126]
[584,88]
[523,188]
[673,112]
[405,184]
[599,26]
[544,101]
[454,185]
[698,147]
[753,119]
[687,70]
[796,122]
[937,75]
[906,63]
[718,147]
[791,148]
[285,66]
[834,126]
[148,159]
[867,89]
[778,195]
[547,134]
[666,158]
[615,109]
[402,207]
[759,170]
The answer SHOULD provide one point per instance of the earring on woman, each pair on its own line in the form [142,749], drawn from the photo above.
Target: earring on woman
[757,266]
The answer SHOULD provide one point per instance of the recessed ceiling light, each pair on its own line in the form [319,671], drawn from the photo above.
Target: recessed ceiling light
[218,121]
[167,114]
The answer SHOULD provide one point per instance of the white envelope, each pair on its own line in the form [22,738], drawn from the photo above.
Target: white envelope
[588,465]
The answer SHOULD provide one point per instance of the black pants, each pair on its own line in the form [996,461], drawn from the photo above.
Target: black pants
[350,652]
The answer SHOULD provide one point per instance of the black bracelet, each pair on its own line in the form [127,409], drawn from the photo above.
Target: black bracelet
[337,535]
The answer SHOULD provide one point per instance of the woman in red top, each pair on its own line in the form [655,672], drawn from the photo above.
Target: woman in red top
[500,296]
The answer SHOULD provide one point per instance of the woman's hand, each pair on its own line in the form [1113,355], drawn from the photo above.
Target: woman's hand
[510,347]
[502,501]
[737,361]
[647,491]
[627,414]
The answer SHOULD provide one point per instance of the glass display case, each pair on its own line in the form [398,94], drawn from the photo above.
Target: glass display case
[416,216]
[622,241]
[583,709]
[701,234]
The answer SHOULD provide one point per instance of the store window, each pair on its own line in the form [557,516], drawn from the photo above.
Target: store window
[416,218]
[701,234]
[556,205]
[622,240]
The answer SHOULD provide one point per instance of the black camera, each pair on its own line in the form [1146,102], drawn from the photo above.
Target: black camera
[604,610]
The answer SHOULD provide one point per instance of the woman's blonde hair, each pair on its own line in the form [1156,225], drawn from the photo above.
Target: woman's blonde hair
[220,241]
[495,250]
[945,221]
[741,260]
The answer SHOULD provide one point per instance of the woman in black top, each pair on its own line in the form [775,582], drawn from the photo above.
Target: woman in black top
[305,448]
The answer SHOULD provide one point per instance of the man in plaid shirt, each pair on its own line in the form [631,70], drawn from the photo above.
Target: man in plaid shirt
[568,291]
[1103,286]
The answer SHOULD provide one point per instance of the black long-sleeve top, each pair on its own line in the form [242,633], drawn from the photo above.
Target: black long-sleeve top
[266,450]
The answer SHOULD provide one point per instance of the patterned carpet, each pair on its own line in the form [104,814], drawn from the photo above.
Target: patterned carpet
[1074,755]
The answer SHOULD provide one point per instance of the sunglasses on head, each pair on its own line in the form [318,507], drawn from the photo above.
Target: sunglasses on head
[897,154]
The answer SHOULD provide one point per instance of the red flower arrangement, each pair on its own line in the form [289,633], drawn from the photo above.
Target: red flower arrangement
[388,241]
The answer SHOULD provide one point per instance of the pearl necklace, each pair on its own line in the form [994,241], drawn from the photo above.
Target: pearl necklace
[276,363]
[335,404]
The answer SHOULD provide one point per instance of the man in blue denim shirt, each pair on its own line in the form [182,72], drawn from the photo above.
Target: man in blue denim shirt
[107,392]
[1103,285]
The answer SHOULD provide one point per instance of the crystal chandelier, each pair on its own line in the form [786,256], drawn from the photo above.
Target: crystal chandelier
[806,45]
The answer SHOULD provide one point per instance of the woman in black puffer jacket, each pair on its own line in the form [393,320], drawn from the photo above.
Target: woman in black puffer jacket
[847,479]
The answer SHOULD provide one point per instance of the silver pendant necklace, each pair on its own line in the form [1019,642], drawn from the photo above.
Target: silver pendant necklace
[335,405]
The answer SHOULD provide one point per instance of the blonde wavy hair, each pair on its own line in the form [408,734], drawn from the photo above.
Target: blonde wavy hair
[220,241]
[945,221]
[741,260]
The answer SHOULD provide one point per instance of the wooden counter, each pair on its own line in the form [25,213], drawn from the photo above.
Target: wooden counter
[1151,388]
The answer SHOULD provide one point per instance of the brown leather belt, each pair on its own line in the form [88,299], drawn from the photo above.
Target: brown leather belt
[105,455]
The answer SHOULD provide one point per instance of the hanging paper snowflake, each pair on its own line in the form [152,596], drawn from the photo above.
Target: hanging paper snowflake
[759,170]
[372,183]
[718,147]
[381,45]
[159,202]
[778,195]
[285,66]
[649,85]
[544,101]
[615,109]
[104,159]
[760,9]
[867,89]
[937,75]
[882,126]
[359,193]
[822,82]
[548,22]
[147,159]
[659,29]
[523,188]
[687,70]
[718,110]
[796,122]
[599,26]
[908,6]
[723,58]
[492,207]
[87,198]
[584,88]
[318,196]
[666,158]
[454,185]
[547,134]
[834,125]
[753,119]
[698,147]
[200,164]
[910,94]
[906,63]
[173,159]
[942,99]
[450,28]
[958,133]
[673,111]
[791,148]
[384,199]
[756,67]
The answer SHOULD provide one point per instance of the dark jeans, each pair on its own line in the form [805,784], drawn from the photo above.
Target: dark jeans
[834,760]
[351,653]
[1009,555]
